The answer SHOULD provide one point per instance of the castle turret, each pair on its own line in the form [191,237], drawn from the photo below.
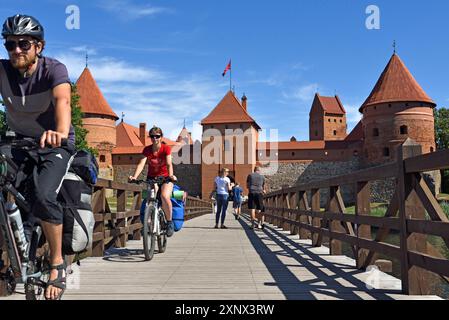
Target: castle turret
[397,109]
[99,120]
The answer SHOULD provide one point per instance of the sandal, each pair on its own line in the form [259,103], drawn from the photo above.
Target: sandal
[59,282]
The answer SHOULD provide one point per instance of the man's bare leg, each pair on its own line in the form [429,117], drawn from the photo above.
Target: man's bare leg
[53,234]
[253,216]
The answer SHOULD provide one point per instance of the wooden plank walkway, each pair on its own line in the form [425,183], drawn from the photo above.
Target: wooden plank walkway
[205,263]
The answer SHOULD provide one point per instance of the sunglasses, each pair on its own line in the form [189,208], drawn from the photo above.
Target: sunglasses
[24,45]
[155,136]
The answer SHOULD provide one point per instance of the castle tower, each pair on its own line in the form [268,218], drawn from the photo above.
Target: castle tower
[327,119]
[230,137]
[397,109]
[185,136]
[99,119]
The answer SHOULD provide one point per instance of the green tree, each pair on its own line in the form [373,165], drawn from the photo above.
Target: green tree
[2,120]
[77,122]
[441,128]
[441,116]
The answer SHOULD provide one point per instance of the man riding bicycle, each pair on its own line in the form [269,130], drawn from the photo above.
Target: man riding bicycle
[159,158]
[36,93]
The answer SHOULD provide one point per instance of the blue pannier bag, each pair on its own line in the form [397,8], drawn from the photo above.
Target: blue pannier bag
[177,211]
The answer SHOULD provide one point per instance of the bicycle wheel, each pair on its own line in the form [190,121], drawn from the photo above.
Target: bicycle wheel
[35,287]
[162,238]
[149,238]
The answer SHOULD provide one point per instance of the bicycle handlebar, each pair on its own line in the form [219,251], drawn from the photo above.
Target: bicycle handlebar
[31,143]
[151,181]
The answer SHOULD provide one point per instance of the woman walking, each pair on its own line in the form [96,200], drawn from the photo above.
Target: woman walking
[222,186]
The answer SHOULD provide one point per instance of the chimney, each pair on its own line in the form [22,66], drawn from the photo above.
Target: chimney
[244,98]
[142,132]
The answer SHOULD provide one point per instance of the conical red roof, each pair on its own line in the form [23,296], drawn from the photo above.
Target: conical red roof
[228,110]
[91,98]
[396,84]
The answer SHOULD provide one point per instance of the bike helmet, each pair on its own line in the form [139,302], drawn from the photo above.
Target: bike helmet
[21,24]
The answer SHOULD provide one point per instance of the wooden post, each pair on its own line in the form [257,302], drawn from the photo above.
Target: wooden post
[413,278]
[362,208]
[98,206]
[316,222]
[303,205]
[335,246]
[136,206]
[285,213]
[121,222]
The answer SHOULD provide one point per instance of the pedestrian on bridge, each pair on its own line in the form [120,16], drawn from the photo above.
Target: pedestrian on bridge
[255,183]
[222,186]
[237,200]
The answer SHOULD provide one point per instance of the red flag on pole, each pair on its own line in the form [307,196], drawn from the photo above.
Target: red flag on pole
[228,67]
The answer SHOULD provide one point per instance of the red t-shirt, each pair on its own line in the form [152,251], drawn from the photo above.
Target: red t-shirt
[157,161]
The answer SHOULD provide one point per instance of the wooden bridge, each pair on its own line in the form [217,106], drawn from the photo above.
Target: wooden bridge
[286,260]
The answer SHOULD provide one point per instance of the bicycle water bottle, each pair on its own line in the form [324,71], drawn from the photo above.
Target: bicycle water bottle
[17,227]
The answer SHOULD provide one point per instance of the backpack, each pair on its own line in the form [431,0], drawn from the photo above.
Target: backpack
[75,196]
[85,166]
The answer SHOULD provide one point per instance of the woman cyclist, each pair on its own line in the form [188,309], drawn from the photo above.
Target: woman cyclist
[159,158]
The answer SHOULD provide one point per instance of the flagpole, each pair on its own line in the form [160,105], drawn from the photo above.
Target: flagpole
[230,77]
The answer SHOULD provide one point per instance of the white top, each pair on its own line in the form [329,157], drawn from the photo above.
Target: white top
[222,185]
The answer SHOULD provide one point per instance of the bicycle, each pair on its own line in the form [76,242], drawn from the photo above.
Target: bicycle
[29,258]
[154,221]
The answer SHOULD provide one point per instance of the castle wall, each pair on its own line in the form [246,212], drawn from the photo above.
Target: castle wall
[389,125]
[188,176]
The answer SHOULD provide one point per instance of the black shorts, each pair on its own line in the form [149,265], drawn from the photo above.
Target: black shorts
[255,201]
[52,166]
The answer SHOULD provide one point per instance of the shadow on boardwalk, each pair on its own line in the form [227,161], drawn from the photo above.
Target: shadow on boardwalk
[323,283]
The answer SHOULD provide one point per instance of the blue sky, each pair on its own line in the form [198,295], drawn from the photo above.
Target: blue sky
[161,61]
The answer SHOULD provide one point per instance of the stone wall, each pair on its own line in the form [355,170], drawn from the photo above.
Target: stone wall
[294,173]
[189,176]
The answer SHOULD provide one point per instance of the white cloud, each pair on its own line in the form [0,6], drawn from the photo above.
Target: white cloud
[84,49]
[150,95]
[127,10]
[304,93]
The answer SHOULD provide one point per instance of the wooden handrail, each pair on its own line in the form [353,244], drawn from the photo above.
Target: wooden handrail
[291,209]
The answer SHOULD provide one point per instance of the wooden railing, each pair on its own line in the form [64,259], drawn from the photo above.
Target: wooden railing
[114,229]
[297,209]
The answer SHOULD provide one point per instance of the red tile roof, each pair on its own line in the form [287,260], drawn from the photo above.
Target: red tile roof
[331,104]
[128,136]
[229,110]
[396,84]
[91,98]
[356,133]
[184,135]
[305,145]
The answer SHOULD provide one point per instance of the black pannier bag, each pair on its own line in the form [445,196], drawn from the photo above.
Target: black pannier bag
[75,196]
[86,166]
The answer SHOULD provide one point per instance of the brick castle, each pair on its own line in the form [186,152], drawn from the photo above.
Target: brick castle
[397,109]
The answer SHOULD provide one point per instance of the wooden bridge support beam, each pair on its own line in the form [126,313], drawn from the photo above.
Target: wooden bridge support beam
[414,279]
[362,208]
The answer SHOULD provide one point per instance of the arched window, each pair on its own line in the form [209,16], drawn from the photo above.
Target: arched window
[404,130]
[102,158]
[386,152]
[335,132]
[375,132]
